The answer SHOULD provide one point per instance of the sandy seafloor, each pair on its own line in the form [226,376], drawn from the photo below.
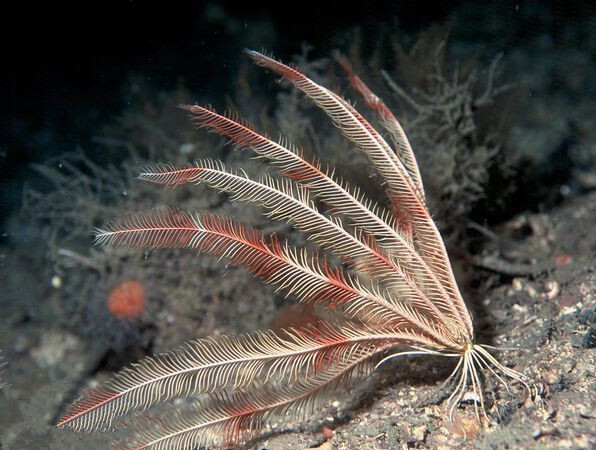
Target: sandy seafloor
[531,283]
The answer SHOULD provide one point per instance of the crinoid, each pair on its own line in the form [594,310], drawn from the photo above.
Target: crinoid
[393,286]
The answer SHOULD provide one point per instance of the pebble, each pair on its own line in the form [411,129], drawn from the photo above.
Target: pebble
[53,348]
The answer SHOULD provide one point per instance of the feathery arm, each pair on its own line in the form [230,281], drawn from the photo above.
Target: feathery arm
[231,418]
[399,183]
[389,122]
[381,228]
[294,271]
[285,201]
[227,362]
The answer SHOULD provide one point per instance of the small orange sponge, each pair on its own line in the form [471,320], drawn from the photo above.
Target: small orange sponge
[127,299]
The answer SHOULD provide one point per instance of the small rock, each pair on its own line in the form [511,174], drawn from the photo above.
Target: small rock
[186,148]
[53,348]
[463,427]
[589,340]
[531,291]
[553,290]
[328,432]
[419,433]
[587,317]
[519,308]
[56,282]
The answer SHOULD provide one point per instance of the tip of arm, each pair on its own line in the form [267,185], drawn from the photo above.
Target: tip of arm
[188,108]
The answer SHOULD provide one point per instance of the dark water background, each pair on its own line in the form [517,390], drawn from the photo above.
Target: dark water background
[64,64]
